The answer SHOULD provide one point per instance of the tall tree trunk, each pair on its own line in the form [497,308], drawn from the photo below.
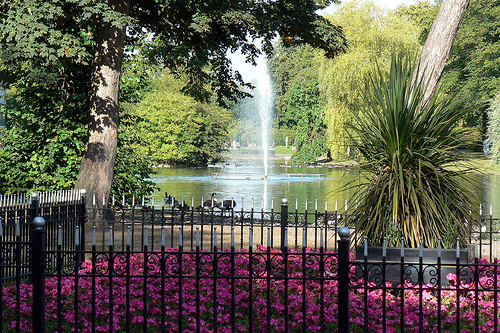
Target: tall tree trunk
[438,45]
[97,166]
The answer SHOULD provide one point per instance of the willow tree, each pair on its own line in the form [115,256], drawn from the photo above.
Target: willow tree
[195,37]
[374,34]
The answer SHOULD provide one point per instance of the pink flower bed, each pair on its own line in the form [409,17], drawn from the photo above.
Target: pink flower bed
[162,295]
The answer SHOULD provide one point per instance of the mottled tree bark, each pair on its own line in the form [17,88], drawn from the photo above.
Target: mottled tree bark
[438,45]
[97,166]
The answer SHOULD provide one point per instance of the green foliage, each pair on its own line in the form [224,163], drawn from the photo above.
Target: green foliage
[410,193]
[423,14]
[493,131]
[305,104]
[374,35]
[280,135]
[473,69]
[132,169]
[40,38]
[176,129]
[42,147]
[193,38]
[298,100]
[48,48]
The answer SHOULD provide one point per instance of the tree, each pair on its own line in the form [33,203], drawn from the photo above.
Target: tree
[473,71]
[176,129]
[42,147]
[437,47]
[98,161]
[374,34]
[493,132]
[192,37]
[299,103]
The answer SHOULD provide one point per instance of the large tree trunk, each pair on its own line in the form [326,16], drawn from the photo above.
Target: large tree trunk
[97,166]
[438,45]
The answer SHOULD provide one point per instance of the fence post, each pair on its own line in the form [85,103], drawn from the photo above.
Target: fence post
[284,221]
[38,248]
[82,213]
[343,277]
[35,206]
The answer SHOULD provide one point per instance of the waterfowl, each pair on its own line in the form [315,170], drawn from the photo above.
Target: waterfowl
[211,203]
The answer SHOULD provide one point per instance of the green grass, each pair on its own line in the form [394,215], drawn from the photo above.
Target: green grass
[481,164]
[484,164]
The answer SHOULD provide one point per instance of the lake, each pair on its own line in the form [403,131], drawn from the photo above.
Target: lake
[244,181]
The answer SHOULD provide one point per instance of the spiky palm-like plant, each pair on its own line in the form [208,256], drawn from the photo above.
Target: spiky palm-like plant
[408,147]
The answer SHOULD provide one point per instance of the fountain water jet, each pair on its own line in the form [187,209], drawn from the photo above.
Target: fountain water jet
[265,106]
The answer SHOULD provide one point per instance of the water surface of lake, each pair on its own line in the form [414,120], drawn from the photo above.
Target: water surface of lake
[246,184]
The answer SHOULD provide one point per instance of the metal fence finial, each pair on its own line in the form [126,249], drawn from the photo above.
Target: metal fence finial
[344,233]
[38,223]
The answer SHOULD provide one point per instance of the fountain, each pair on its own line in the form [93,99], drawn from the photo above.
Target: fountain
[265,106]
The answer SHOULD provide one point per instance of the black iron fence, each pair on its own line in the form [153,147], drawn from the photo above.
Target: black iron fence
[259,289]
[168,270]
[133,220]
[60,209]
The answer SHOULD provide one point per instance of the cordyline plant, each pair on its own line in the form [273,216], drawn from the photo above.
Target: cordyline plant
[418,184]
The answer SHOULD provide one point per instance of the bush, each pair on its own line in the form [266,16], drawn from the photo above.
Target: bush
[410,192]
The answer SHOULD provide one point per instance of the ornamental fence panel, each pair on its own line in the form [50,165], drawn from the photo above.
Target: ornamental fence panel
[116,221]
[167,270]
[259,289]
[59,208]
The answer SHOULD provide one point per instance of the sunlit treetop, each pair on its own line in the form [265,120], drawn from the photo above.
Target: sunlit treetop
[193,37]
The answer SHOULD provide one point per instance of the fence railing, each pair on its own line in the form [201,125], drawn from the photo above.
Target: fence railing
[168,270]
[17,211]
[259,289]
[175,221]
